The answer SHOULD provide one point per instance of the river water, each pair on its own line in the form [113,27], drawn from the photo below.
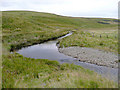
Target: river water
[49,50]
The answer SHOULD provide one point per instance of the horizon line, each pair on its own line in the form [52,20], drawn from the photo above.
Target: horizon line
[66,15]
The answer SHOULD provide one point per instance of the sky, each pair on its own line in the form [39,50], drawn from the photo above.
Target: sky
[74,8]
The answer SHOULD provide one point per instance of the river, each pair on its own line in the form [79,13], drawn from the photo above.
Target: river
[49,50]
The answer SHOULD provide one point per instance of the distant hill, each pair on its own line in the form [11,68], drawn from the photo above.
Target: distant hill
[27,21]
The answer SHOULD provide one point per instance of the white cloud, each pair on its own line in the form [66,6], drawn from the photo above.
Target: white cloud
[89,8]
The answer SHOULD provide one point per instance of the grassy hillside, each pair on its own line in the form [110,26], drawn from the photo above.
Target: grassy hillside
[23,28]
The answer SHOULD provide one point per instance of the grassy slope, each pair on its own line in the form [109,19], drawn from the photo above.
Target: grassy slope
[23,28]
[99,36]
[25,72]
[107,42]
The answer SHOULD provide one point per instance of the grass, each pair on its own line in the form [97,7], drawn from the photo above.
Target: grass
[106,40]
[35,73]
[24,28]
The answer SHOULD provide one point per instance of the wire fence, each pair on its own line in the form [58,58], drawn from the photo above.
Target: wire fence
[103,35]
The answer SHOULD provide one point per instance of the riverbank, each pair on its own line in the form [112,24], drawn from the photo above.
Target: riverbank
[101,39]
[98,47]
[93,56]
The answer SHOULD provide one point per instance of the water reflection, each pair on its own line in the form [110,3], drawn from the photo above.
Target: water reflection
[49,50]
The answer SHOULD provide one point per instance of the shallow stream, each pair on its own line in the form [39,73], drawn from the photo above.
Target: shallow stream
[49,50]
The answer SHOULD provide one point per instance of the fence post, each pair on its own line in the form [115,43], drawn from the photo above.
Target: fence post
[107,36]
[100,35]
[93,34]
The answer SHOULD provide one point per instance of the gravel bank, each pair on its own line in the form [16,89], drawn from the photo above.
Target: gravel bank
[91,55]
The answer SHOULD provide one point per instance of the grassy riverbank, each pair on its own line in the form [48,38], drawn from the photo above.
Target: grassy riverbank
[106,39]
[24,28]
[19,71]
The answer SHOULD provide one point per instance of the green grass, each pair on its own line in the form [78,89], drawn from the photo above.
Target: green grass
[106,40]
[24,72]
[24,28]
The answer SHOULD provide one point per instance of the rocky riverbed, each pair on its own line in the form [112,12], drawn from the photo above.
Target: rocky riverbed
[91,55]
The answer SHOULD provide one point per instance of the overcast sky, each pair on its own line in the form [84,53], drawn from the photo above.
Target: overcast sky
[75,8]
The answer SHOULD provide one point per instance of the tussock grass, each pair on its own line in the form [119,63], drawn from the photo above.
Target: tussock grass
[24,28]
[42,73]
[106,40]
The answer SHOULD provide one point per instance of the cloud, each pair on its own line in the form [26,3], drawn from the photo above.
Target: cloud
[89,8]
